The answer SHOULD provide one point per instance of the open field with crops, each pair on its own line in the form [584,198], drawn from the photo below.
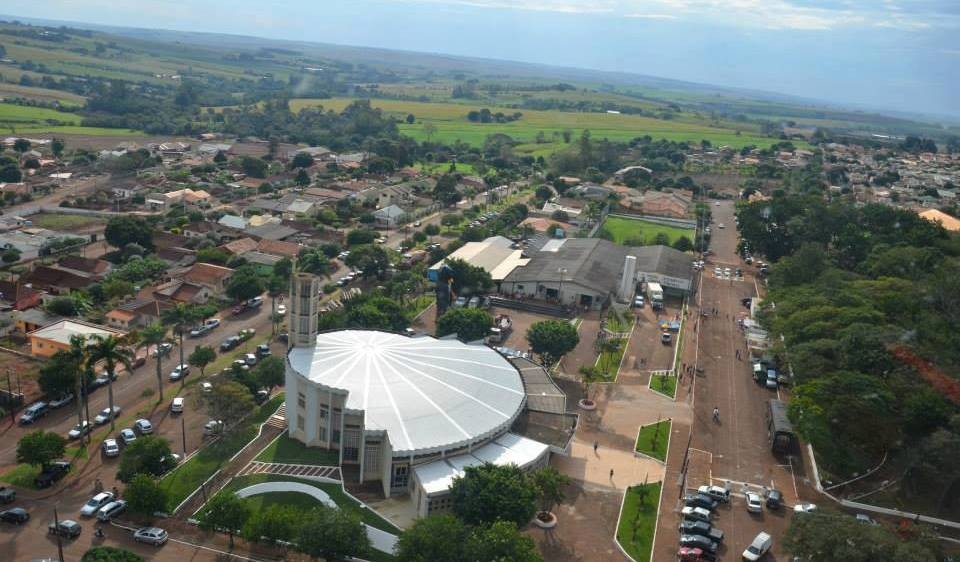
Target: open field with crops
[450,120]
[23,119]
[8,91]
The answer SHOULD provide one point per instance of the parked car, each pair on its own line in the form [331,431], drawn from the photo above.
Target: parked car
[864,518]
[52,473]
[127,436]
[697,541]
[62,401]
[772,382]
[34,412]
[65,528]
[176,406]
[7,495]
[474,302]
[718,493]
[250,359]
[666,338]
[106,415]
[138,361]
[213,427]
[151,535]
[761,545]
[701,528]
[230,343]
[695,514]
[693,554]
[111,510]
[754,502]
[240,364]
[254,302]
[206,387]
[700,500]
[143,426]
[94,504]
[246,334]
[15,515]
[179,372]
[804,508]
[79,429]
[111,448]
[263,350]
[261,396]
[460,302]
[163,349]
[281,309]
[774,499]
[638,301]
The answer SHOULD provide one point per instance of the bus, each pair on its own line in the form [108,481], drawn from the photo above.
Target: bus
[779,428]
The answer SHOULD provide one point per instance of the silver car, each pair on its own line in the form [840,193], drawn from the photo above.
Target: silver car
[151,535]
[95,503]
[111,448]
[111,510]
[105,415]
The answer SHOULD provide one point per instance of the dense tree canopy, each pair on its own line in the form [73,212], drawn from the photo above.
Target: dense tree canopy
[128,229]
[488,493]
[147,455]
[552,339]
[469,324]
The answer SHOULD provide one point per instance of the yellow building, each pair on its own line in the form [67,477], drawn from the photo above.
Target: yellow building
[56,337]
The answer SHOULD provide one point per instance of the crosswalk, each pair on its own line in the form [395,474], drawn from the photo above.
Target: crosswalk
[285,469]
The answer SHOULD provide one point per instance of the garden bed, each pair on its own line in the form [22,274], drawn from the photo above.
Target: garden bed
[638,521]
[664,384]
[653,440]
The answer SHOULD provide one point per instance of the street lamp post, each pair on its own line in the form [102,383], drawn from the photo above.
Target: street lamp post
[562,271]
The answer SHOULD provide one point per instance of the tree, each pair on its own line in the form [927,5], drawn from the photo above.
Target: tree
[313,260]
[57,146]
[127,229]
[230,402]
[40,448]
[245,283]
[661,239]
[550,484]
[371,260]
[21,145]
[832,537]
[469,279]
[303,178]
[110,554]
[360,237]
[445,191]
[411,119]
[302,160]
[61,306]
[202,356]
[275,524]
[683,244]
[333,534]
[502,541]
[470,324]
[254,167]
[111,352]
[146,455]
[435,538]
[116,288]
[220,157]
[145,495]
[552,339]
[488,492]
[180,316]
[10,173]
[225,511]
[270,372]
[431,230]
[58,376]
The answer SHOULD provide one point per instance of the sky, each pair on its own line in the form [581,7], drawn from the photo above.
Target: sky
[886,54]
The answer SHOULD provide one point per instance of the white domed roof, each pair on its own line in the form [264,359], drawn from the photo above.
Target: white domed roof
[428,394]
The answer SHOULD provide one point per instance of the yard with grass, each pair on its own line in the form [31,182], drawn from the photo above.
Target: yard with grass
[664,384]
[414,307]
[287,450]
[652,440]
[451,123]
[611,354]
[638,520]
[190,474]
[57,221]
[639,232]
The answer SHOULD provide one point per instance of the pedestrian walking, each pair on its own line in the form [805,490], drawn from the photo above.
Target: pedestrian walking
[716,414]
[611,474]
[595,445]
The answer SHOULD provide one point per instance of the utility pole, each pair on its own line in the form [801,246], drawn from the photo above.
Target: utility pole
[56,526]
[12,402]
[183,431]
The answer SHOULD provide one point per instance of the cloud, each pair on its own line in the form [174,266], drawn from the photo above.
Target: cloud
[812,15]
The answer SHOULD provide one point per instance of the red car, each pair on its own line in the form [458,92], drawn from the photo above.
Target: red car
[688,554]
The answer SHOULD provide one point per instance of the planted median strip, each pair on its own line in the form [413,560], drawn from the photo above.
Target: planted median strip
[654,439]
[638,521]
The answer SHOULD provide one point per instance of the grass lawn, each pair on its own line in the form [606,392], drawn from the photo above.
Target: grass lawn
[188,477]
[413,307]
[652,440]
[666,384]
[21,476]
[637,232]
[638,520]
[335,491]
[286,450]
[55,221]
[450,120]
[609,361]
[443,167]
[620,321]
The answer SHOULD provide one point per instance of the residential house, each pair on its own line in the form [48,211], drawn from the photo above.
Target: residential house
[240,246]
[592,191]
[389,216]
[179,291]
[91,268]
[47,341]
[279,248]
[18,295]
[136,313]
[213,277]
[262,262]
[55,281]
[272,231]
[190,199]
[34,319]
[665,204]
[210,149]
[233,221]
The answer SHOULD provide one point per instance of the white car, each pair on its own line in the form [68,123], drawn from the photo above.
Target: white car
[143,426]
[111,510]
[127,436]
[754,502]
[718,493]
[206,387]
[62,401]
[281,309]
[105,415]
[79,429]
[250,359]
[212,427]
[695,514]
[94,504]
[721,225]
[177,405]
[760,546]
[111,448]
[804,508]
[179,372]
[717,271]
[716,203]
[162,349]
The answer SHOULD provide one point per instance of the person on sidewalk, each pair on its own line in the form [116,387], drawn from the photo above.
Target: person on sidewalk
[595,445]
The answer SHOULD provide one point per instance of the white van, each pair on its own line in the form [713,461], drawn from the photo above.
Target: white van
[761,545]
[177,405]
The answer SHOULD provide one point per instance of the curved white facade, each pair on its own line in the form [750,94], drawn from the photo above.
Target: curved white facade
[429,396]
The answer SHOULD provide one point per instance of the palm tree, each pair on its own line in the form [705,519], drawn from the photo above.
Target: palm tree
[111,351]
[180,317]
[154,335]
[78,360]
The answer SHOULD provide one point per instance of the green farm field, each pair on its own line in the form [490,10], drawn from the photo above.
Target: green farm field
[24,119]
[451,122]
[624,230]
